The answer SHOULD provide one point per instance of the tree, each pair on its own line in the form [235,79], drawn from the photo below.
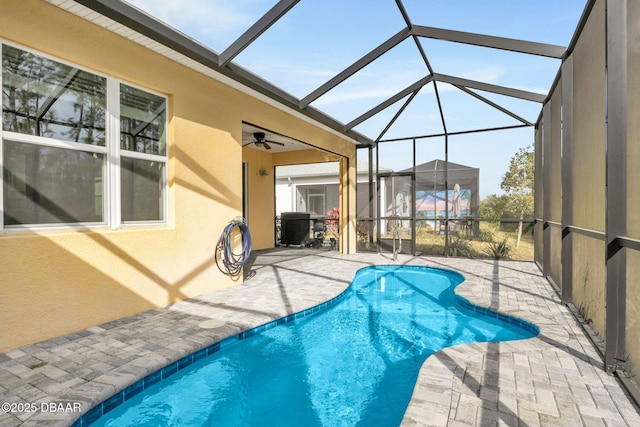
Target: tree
[517,183]
[493,206]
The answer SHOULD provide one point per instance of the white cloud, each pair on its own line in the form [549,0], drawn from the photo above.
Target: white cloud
[365,85]
[291,72]
[484,74]
[215,23]
[345,96]
[493,75]
[373,86]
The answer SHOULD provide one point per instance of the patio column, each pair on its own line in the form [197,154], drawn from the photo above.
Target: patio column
[567,178]
[546,188]
[616,188]
[538,195]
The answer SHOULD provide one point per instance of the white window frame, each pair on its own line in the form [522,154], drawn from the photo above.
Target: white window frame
[111,191]
[118,153]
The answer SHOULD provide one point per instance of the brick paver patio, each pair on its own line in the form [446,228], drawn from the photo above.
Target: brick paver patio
[555,379]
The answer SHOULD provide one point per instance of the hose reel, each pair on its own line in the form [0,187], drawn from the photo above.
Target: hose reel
[227,260]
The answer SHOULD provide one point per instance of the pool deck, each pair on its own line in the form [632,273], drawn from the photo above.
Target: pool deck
[555,379]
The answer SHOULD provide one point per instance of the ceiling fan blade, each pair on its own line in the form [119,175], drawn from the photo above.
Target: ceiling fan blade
[266,146]
[274,142]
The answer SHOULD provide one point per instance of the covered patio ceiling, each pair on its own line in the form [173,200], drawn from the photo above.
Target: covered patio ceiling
[409,79]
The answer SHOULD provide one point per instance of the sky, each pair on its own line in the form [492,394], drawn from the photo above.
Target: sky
[317,39]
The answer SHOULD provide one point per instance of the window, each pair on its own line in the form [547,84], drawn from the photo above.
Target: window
[62,161]
[47,185]
[143,154]
[142,190]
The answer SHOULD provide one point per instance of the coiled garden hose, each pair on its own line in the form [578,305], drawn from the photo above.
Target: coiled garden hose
[232,262]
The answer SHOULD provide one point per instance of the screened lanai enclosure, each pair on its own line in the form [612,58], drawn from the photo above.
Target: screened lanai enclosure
[507,130]
[424,90]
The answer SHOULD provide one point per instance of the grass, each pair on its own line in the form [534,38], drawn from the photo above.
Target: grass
[491,239]
[478,247]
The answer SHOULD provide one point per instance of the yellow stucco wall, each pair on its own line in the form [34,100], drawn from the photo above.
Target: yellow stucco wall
[56,282]
[589,167]
[260,216]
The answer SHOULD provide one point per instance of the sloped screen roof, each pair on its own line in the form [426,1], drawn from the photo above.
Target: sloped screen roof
[374,70]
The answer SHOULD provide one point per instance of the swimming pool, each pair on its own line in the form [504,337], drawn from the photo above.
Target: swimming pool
[352,361]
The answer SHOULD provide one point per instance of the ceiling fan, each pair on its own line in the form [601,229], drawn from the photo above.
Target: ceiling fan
[260,141]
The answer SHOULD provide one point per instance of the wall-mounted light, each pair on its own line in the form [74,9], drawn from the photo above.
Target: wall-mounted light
[263,172]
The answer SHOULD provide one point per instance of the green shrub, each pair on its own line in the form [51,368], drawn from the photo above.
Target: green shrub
[486,235]
[498,250]
[460,248]
[487,232]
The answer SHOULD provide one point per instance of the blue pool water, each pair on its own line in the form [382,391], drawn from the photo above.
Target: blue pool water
[353,364]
